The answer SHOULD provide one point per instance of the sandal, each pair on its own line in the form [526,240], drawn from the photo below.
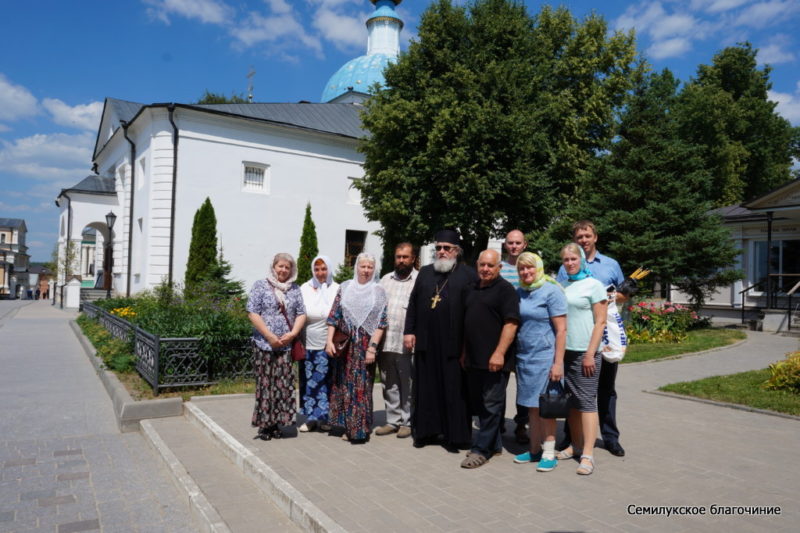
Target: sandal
[565,455]
[474,460]
[585,470]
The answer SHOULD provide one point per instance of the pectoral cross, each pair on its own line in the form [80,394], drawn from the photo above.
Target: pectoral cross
[435,300]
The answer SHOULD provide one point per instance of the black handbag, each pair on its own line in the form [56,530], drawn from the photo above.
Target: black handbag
[554,401]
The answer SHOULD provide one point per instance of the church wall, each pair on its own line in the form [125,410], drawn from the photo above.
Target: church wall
[253,226]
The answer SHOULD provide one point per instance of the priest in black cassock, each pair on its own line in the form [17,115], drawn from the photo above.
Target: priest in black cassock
[434,330]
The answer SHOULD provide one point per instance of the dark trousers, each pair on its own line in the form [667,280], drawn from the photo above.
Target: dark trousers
[487,394]
[606,406]
[607,402]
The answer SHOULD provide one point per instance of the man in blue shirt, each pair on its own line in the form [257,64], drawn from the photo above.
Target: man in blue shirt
[515,244]
[607,271]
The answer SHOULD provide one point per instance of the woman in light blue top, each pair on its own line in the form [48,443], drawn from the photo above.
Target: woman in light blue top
[587,304]
[540,353]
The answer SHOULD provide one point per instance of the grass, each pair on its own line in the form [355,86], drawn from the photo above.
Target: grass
[743,389]
[697,341]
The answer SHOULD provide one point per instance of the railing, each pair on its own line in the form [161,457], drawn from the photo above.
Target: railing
[175,361]
[789,310]
[744,292]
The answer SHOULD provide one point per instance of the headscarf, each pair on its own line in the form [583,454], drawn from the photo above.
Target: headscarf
[584,272]
[282,287]
[541,278]
[362,302]
[314,281]
[323,292]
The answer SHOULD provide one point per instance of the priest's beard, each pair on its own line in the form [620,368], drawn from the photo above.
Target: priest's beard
[444,265]
[403,271]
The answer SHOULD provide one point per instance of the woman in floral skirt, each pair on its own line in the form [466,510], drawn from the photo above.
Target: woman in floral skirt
[276,310]
[359,311]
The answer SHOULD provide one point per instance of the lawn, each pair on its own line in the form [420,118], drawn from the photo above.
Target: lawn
[743,388]
[697,341]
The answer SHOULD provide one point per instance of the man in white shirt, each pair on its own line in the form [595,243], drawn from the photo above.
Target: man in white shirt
[394,360]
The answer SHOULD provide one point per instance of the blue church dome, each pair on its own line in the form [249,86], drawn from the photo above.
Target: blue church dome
[358,74]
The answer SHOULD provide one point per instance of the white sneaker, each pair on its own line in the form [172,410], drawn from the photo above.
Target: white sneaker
[307,426]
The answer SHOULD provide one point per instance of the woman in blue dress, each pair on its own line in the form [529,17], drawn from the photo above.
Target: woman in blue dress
[540,353]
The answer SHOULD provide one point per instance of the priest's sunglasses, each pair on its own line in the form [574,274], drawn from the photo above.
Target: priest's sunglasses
[445,247]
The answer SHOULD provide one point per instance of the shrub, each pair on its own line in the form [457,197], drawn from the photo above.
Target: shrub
[785,375]
[116,354]
[652,322]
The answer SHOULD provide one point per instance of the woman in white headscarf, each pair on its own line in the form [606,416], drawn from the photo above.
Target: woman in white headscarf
[359,311]
[318,295]
[275,308]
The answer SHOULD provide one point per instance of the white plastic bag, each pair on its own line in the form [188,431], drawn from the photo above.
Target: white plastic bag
[615,341]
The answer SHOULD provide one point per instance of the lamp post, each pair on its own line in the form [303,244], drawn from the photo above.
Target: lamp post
[110,219]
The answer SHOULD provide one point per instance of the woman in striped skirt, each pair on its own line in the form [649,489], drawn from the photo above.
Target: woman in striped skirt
[587,303]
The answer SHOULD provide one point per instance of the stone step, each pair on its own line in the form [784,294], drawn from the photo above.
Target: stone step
[222,498]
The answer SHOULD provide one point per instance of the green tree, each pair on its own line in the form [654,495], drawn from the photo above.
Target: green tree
[748,146]
[343,273]
[308,247]
[489,120]
[202,264]
[219,98]
[649,198]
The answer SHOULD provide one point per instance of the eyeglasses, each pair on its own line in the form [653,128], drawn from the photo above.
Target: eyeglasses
[445,247]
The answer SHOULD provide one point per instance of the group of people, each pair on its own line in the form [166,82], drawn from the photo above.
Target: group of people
[456,333]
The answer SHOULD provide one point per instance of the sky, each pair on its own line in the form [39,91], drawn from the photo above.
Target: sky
[59,61]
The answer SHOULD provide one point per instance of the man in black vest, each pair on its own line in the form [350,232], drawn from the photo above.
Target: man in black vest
[434,330]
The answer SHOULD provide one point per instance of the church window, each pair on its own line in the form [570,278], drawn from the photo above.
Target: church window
[256,178]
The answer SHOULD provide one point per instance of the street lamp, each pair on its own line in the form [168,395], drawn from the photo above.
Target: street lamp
[110,219]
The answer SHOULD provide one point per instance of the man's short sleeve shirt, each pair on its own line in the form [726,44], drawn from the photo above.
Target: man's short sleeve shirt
[487,310]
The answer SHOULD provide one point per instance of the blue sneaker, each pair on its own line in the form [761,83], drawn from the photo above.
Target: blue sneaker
[525,458]
[546,465]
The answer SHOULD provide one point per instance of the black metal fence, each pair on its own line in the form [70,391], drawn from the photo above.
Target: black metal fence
[174,361]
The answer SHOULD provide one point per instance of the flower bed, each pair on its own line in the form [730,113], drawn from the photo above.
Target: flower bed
[181,342]
[652,322]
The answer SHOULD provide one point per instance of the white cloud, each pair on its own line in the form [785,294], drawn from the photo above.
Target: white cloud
[27,208]
[672,25]
[788,104]
[778,50]
[717,6]
[344,31]
[57,156]
[764,14]
[4,128]
[15,101]
[640,17]
[669,48]
[279,6]
[206,11]
[85,116]
[281,28]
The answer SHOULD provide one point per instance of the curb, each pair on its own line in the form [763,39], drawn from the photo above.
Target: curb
[297,507]
[717,403]
[205,514]
[129,412]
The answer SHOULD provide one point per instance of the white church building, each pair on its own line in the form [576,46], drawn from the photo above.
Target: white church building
[259,163]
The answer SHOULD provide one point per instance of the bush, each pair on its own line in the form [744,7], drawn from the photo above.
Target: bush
[116,354]
[785,375]
[652,322]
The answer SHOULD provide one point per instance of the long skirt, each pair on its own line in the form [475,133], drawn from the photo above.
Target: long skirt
[351,390]
[275,402]
[317,380]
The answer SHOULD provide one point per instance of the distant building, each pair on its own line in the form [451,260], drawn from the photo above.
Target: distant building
[770,222]
[14,258]
[259,163]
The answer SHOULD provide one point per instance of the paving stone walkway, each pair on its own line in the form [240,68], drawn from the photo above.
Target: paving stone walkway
[680,453]
[64,466]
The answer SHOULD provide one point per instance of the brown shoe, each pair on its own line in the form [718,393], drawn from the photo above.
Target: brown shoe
[387,429]
[404,432]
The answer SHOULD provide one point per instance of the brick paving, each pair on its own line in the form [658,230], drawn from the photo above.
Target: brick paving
[680,453]
[64,466]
